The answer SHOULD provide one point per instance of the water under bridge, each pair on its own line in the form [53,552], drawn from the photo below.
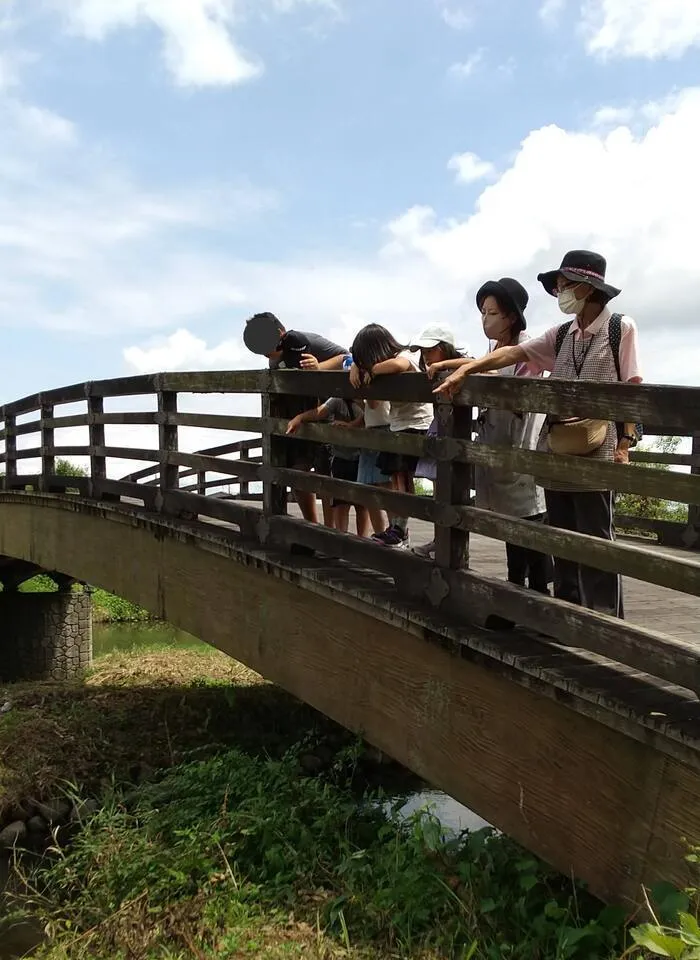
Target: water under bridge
[576,733]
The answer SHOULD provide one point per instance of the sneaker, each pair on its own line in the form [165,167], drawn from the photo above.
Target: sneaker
[426,550]
[392,537]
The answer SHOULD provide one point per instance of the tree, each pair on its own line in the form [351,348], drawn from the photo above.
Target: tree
[64,468]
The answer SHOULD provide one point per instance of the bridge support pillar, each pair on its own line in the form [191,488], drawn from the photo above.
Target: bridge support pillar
[44,636]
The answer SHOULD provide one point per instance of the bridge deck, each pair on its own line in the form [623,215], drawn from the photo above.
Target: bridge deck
[646,604]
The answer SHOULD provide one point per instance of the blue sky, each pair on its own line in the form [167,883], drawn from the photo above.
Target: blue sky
[169,167]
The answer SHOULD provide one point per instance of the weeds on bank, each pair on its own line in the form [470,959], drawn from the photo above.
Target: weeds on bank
[674,931]
[238,848]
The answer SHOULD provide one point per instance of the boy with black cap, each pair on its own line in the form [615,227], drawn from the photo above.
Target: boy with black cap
[265,335]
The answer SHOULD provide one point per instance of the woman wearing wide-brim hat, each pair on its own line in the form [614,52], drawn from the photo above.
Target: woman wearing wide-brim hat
[594,344]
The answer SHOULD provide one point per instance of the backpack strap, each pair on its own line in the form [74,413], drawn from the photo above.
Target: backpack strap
[615,339]
[561,334]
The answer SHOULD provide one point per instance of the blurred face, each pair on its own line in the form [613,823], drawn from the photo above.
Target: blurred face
[431,355]
[276,354]
[495,323]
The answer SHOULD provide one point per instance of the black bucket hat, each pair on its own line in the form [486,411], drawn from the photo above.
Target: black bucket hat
[508,291]
[583,266]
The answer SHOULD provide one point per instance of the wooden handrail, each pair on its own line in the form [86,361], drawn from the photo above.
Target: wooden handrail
[159,485]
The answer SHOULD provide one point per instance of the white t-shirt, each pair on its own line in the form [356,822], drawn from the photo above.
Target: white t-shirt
[410,416]
[377,416]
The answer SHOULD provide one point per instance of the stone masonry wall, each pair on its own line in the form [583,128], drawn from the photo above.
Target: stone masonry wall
[44,636]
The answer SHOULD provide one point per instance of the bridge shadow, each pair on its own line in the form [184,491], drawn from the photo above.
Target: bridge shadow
[93,735]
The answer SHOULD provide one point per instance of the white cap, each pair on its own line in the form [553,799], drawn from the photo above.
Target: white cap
[431,336]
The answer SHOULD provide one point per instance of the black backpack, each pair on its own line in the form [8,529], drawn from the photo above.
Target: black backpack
[615,339]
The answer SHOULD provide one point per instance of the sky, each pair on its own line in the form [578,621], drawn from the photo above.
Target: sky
[169,167]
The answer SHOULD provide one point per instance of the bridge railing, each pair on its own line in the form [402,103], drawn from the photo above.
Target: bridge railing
[449,585]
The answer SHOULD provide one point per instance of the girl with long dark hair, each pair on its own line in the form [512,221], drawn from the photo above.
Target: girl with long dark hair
[376,352]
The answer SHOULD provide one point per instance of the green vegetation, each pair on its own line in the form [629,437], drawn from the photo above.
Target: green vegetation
[218,838]
[200,862]
[675,931]
[636,505]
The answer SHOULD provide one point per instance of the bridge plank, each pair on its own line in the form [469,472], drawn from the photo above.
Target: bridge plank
[470,598]
[217,421]
[590,474]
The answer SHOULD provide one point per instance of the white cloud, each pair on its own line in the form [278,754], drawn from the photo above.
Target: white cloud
[184,351]
[466,68]
[200,47]
[469,168]
[612,116]
[608,190]
[84,248]
[641,28]
[38,123]
[551,10]
[456,16]
[565,189]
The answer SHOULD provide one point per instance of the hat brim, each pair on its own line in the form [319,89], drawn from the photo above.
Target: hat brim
[423,344]
[549,282]
[493,288]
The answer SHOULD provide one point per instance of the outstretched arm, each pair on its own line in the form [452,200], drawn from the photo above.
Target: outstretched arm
[503,357]
[310,362]
[308,416]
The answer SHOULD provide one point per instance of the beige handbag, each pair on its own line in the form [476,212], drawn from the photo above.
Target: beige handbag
[576,436]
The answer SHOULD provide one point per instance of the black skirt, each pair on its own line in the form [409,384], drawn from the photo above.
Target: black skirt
[343,469]
[391,463]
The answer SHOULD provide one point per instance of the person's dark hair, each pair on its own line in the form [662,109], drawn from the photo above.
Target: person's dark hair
[266,315]
[449,352]
[600,297]
[374,344]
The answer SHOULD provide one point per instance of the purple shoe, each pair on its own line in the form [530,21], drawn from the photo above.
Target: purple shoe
[392,537]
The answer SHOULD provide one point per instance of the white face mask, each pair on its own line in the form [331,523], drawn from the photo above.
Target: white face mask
[494,325]
[568,301]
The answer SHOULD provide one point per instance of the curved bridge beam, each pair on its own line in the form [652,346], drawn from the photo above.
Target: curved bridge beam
[587,797]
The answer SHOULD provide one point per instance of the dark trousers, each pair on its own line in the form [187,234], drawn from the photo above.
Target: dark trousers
[529,567]
[591,513]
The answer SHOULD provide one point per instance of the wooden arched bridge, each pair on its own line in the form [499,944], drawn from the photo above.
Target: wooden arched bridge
[576,733]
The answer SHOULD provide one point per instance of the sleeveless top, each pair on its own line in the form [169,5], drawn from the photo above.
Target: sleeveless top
[587,359]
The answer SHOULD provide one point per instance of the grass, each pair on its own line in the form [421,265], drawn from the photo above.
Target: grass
[211,841]
[137,712]
[240,855]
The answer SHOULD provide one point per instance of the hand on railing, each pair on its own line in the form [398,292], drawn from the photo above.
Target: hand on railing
[309,362]
[357,378]
[622,453]
[453,384]
[435,368]
[294,425]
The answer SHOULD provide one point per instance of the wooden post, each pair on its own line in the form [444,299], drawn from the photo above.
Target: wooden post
[692,534]
[167,440]
[453,486]
[48,460]
[202,483]
[244,485]
[274,455]
[98,463]
[10,452]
